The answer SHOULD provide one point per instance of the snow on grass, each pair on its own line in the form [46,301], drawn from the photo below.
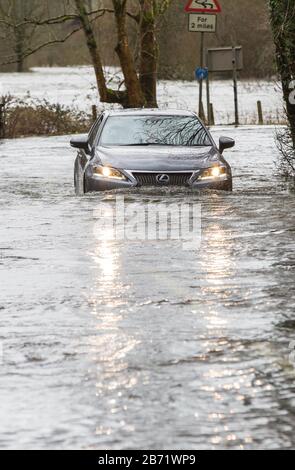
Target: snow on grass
[76,86]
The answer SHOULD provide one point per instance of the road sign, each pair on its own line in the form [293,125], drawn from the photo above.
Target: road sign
[201,23]
[203,6]
[225,59]
[201,73]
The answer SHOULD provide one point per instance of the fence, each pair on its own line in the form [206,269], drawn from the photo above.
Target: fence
[2,120]
[5,116]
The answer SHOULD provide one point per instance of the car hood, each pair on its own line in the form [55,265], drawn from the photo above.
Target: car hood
[157,158]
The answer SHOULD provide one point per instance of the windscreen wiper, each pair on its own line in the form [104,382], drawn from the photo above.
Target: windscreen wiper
[146,144]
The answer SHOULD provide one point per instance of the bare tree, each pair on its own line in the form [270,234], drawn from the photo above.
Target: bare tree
[18,34]
[139,73]
[140,88]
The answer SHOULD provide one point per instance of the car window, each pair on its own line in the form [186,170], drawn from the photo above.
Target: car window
[94,130]
[154,130]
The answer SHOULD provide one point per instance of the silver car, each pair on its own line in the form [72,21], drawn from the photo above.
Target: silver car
[150,147]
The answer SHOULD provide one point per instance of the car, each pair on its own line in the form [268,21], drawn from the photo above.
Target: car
[149,147]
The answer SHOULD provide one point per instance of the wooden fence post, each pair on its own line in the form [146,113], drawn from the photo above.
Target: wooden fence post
[2,121]
[260,113]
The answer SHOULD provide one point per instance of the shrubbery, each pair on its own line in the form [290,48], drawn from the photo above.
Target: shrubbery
[283,23]
[25,117]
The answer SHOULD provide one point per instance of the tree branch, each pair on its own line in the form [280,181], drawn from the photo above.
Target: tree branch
[64,18]
[30,52]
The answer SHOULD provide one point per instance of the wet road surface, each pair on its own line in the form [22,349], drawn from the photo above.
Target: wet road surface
[126,345]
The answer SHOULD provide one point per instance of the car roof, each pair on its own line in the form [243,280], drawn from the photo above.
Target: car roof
[150,112]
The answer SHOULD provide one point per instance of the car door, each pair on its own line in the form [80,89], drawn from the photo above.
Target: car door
[84,157]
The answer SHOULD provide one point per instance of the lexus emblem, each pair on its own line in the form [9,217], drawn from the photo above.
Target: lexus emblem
[163,179]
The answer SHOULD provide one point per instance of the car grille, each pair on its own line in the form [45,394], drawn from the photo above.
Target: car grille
[150,179]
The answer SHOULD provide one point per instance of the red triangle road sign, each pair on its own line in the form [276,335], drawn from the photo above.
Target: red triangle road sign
[203,6]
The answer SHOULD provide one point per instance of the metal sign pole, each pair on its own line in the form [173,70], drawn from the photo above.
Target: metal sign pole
[201,109]
[208,92]
[208,101]
[235,79]
[202,20]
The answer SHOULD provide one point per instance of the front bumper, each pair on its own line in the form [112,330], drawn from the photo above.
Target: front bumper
[94,183]
[220,184]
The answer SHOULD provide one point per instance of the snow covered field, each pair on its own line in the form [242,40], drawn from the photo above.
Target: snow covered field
[76,85]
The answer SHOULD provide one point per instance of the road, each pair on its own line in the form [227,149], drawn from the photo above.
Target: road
[140,344]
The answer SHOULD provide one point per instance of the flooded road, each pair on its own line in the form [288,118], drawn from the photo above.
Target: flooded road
[126,345]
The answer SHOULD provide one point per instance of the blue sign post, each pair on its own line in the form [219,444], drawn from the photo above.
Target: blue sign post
[201,73]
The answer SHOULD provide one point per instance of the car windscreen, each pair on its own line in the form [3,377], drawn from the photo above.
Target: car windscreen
[154,130]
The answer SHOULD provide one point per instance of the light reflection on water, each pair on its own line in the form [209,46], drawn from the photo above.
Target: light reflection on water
[110,346]
[120,344]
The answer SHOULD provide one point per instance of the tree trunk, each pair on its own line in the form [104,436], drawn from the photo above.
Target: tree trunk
[148,54]
[132,84]
[106,95]
[133,96]
[19,38]
[283,25]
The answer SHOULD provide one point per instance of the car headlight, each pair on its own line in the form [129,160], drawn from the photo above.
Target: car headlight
[108,172]
[213,173]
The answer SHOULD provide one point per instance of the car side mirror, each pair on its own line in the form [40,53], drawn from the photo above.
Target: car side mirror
[226,143]
[80,142]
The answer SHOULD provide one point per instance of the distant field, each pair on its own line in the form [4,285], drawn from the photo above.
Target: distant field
[76,85]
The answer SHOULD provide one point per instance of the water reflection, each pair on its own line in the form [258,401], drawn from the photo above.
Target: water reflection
[217,260]
[157,130]
[106,257]
[218,268]
[112,342]
[220,379]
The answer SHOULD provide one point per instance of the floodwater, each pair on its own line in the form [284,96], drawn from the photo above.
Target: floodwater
[128,345]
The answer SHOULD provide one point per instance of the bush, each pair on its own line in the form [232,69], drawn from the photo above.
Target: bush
[24,117]
[286,148]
